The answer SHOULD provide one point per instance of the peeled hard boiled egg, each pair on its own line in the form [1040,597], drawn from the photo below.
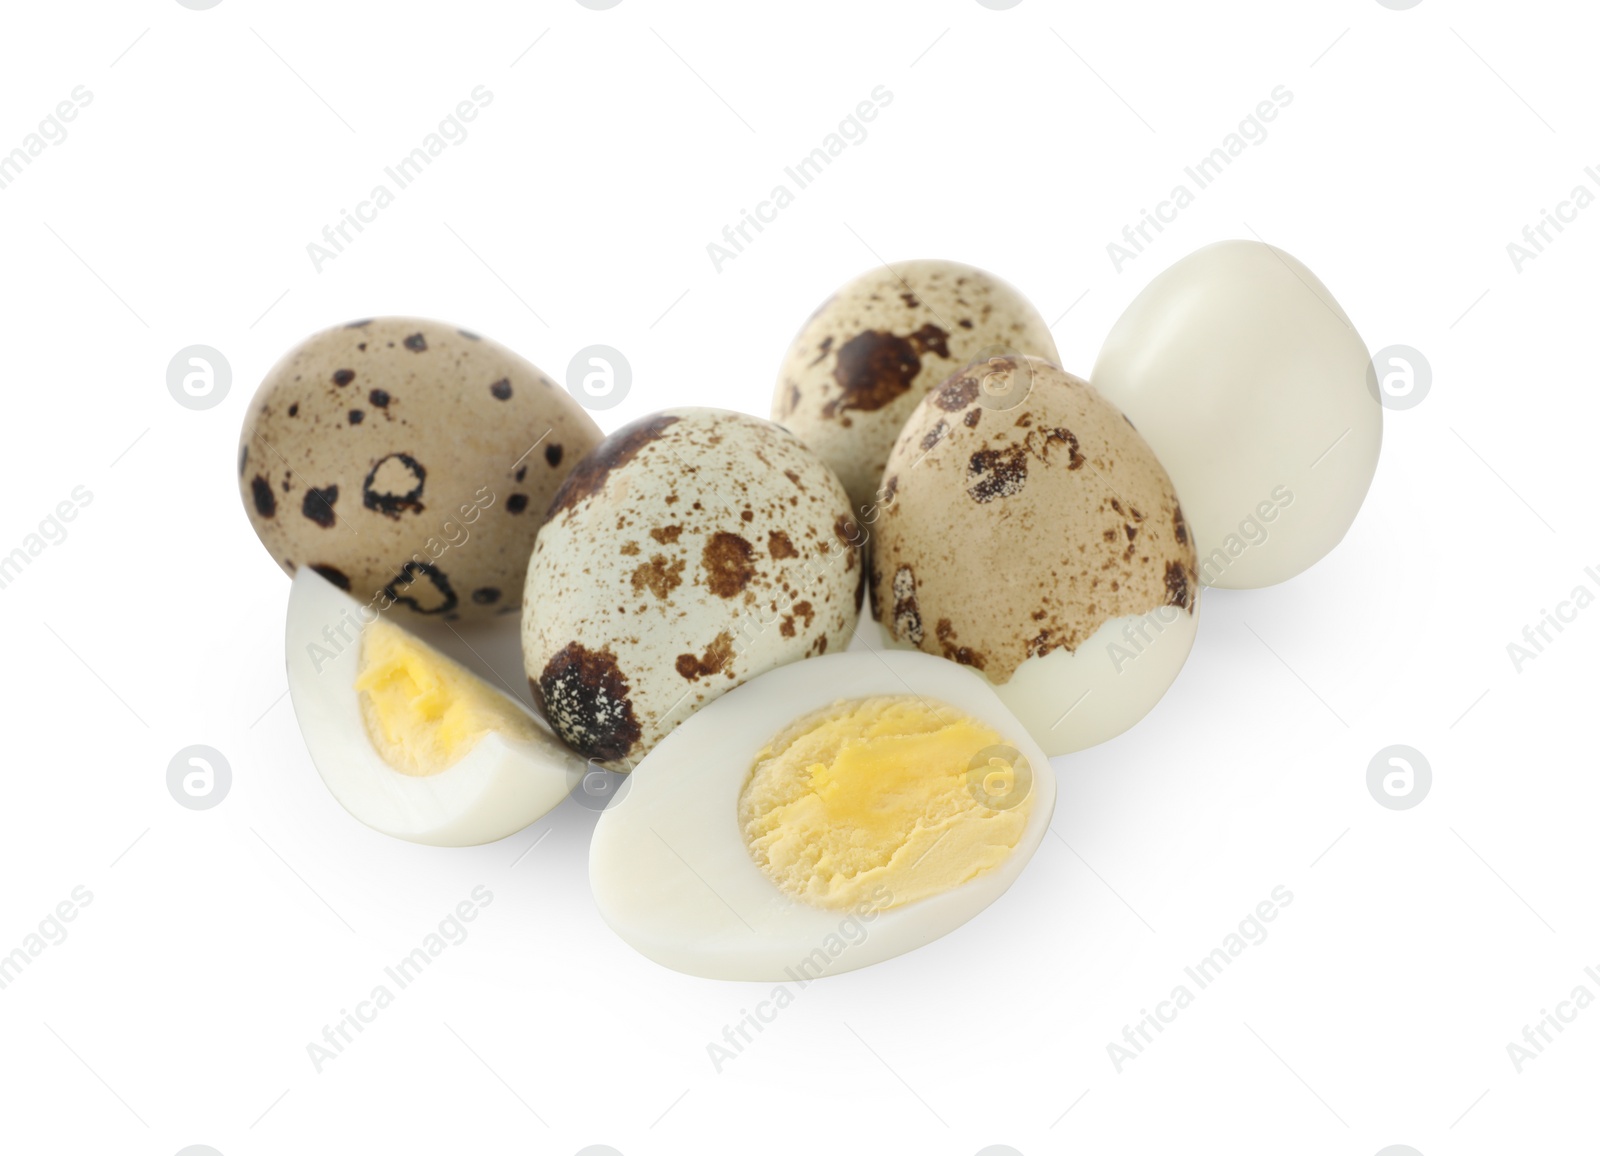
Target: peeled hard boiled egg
[408,462]
[1250,384]
[693,549]
[827,815]
[870,352]
[409,741]
[1030,533]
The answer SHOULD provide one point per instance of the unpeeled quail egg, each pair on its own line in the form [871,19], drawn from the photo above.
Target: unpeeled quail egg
[860,364]
[691,550]
[408,462]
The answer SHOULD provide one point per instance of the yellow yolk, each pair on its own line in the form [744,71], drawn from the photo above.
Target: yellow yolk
[424,712]
[877,800]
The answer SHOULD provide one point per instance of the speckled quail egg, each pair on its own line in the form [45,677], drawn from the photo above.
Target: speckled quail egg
[1250,383]
[1030,533]
[408,741]
[875,348]
[827,815]
[409,463]
[689,551]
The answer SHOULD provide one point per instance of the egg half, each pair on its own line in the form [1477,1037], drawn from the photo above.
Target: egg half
[827,815]
[409,741]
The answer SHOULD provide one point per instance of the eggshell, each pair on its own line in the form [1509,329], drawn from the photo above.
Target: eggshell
[875,348]
[1027,527]
[408,462]
[1250,383]
[690,551]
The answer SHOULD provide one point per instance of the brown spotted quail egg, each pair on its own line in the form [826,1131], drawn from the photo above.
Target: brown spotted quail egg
[1029,532]
[875,348]
[690,551]
[408,462]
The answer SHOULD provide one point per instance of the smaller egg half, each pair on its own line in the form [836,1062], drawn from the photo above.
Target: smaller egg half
[409,741]
[824,816]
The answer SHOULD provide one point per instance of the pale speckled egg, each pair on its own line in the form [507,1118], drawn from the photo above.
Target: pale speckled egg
[408,462]
[690,551]
[1030,533]
[873,350]
[1252,386]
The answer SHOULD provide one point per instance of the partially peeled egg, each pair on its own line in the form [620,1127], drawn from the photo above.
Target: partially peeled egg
[409,741]
[1031,534]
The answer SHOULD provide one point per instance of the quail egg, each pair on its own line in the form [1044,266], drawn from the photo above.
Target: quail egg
[689,551]
[409,463]
[870,352]
[410,742]
[1250,383]
[1030,533]
[828,815]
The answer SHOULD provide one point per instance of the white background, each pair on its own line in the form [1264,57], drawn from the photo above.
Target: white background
[219,943]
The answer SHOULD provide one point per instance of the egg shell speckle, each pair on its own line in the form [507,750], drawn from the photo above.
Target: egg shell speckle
[1015,528]
[690,551]
[873,350]
[408,462]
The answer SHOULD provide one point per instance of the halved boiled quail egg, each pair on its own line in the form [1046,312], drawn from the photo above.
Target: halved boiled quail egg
[826,815]
[409,741]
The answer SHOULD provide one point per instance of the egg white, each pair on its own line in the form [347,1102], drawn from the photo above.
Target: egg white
[672,874]
[497,788]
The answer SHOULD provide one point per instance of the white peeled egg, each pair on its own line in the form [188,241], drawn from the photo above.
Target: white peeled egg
[1251,385]
[504,782]
[673,875]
